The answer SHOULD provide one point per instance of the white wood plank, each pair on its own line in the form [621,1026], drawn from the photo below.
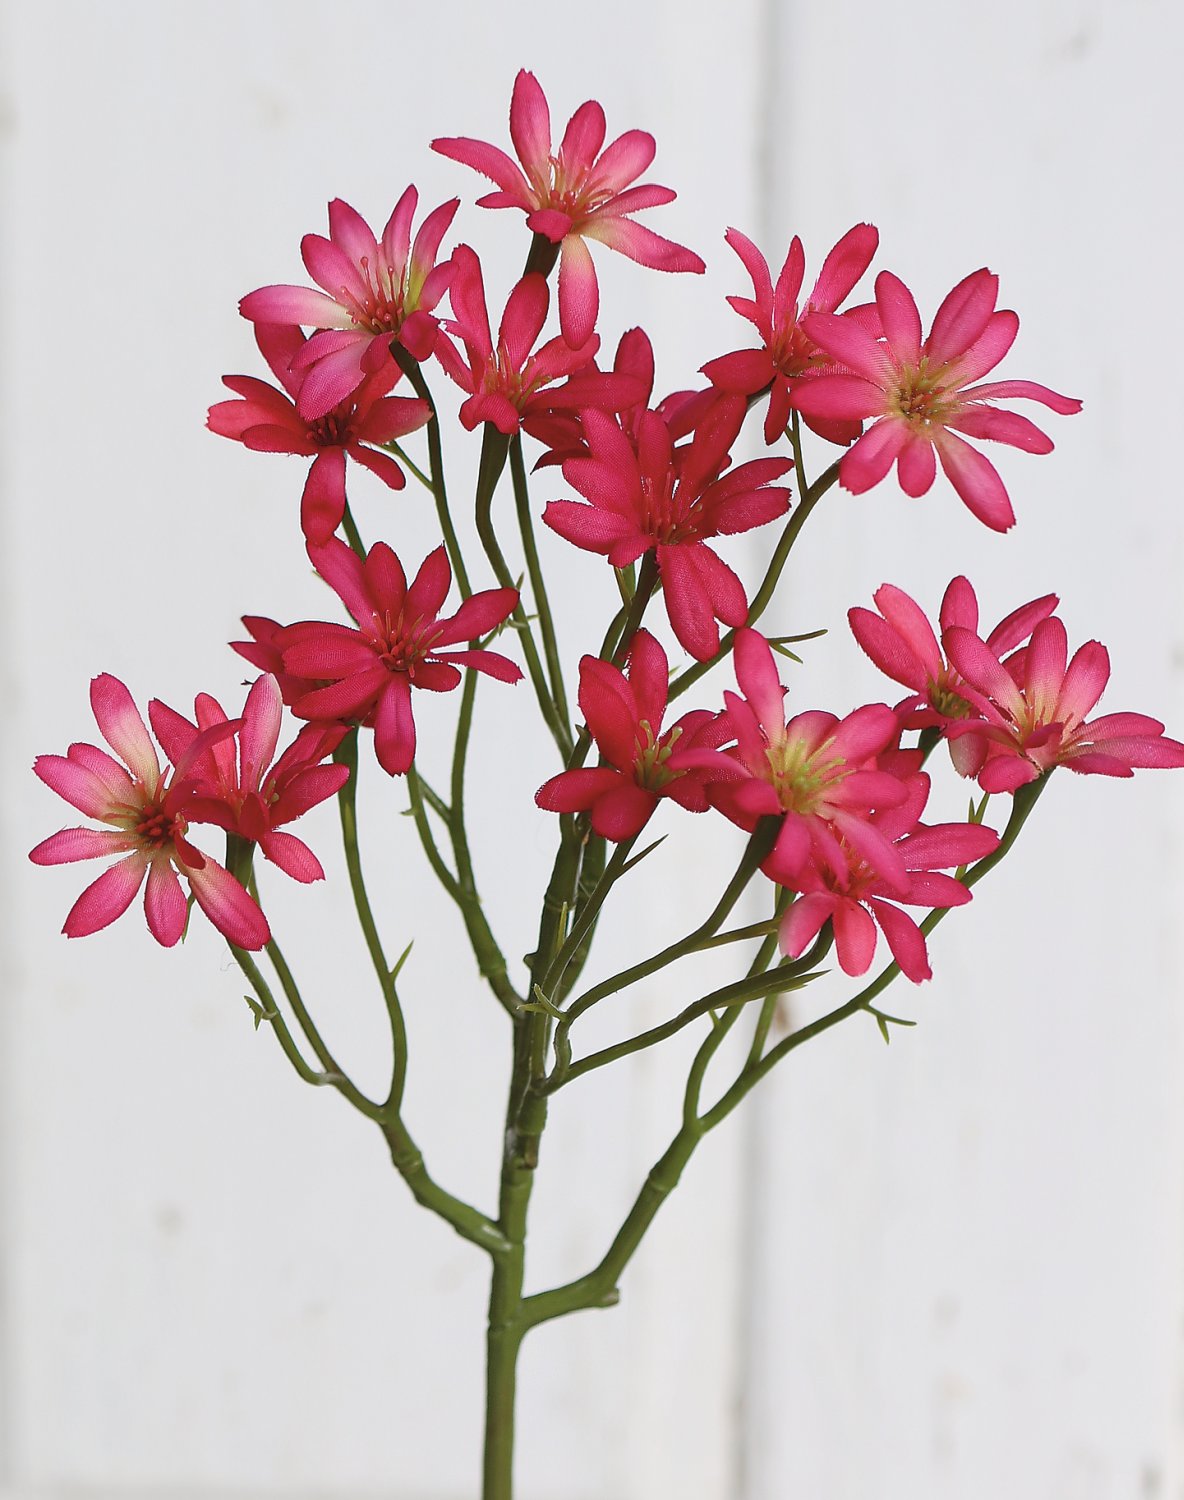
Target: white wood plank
[215,1283]
[968,1268]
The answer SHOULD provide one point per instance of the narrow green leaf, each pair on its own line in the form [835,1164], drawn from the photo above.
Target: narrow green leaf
[401,960]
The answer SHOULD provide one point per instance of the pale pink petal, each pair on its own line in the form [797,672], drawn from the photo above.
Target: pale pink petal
[579,296]
[124,730]
[976,481]
[1002,390]
[396,236]
[1084,681]
[292,856]
[642,245]
[106,898]
[803,922]
[73,844]
[963,317]
[899,318]
[530,125]
[228,906]
[843,267]
[855,937]
[916,466]
[350,232]
[625,160]
[299,305]
[78,784]
[164,903]
[982,669]
[1002,427]
[523,319]
[582,139]
[260,731]
[905,939]
[869,460]
[491,162]
[845,339]
[988,349]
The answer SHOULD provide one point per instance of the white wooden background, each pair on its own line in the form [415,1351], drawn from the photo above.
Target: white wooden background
[952,1271]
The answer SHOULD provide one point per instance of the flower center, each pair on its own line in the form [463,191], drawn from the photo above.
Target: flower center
[382,310]
[920,398]
[156,828]
[574,194]
[402,647]
[650,757]
[802,777]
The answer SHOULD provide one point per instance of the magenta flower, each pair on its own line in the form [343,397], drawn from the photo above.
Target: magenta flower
[682,411]
[372,294]
[581,193]
[508,385]
[245,794]
[624,712]
[816,772]
[789,354]
[658,499]
[901,642]
[265,650]
[269,421]
[921,395]
[1035,712]
[146,816]
[855,899]
[369,672]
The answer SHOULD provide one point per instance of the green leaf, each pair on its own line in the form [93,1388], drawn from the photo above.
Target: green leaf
[401,960]
[637,858]
[258,1011]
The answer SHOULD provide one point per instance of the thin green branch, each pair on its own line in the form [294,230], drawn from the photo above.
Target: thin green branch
[760,602]
[538,587]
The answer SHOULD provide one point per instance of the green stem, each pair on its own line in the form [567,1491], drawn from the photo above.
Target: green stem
[740,992]
[494,449]
[346,754]
[764,594]
[352,535]
[538,586]
[553,974]
[436,483]
[755,851]
[1023,802]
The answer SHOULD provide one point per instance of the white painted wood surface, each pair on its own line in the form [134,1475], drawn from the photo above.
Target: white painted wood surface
[951,1271]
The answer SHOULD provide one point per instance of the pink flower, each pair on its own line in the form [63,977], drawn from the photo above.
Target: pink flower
[1035,711]
[922,395]
[581,193]
[624,713]
[270,422]
[372,294]
[146,814]
[265,651]
[397,646]
[245,794]
[853,897]
[682,411]
[790,354]
[656,498]
[508,385]
[902,644]
[817,772]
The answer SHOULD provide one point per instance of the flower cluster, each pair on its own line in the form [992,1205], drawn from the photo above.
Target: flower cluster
[654,487]
[1013,706]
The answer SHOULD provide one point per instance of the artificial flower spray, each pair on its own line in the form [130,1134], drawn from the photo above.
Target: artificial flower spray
[826,395]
